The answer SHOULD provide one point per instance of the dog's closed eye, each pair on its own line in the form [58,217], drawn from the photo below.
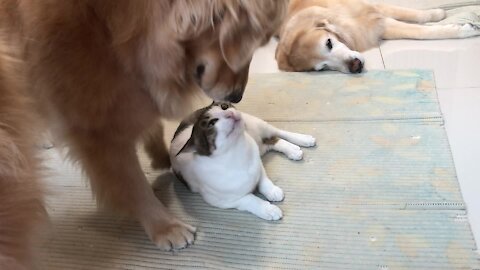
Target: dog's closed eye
[329,44]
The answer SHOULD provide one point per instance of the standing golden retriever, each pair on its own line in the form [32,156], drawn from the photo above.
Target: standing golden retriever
[330,34]
[101,73]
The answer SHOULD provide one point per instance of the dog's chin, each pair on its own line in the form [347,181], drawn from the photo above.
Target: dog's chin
[232,97]
[218,98]
[343,69]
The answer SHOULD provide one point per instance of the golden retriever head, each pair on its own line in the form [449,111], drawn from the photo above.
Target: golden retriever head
[185,45]
[309,42]
[219,38]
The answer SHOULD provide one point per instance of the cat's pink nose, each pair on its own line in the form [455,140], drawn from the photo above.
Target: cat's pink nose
[229,114]
[233,115]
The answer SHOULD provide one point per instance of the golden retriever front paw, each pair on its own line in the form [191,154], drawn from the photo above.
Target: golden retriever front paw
[173,235]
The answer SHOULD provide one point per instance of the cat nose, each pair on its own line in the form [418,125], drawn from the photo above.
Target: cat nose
[231,114]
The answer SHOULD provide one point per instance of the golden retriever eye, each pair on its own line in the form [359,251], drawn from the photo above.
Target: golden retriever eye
[329,44]
[200,70]
[212,122]
[224,106]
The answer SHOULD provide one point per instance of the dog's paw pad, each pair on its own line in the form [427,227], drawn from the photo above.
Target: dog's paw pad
[275,194]
[173,236]
[271,212]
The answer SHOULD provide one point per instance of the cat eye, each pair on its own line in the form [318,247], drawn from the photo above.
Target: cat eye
[212,122]
[329,44]
[224,106]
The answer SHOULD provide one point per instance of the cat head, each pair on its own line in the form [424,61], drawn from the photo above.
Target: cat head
[215,127]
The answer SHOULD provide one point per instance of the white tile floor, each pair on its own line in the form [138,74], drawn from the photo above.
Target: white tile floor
[457,74]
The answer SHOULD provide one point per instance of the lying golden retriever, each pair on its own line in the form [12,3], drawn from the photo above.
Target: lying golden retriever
[101,74]
[330,34]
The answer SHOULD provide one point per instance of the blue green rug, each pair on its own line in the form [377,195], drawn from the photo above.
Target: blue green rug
[378,192]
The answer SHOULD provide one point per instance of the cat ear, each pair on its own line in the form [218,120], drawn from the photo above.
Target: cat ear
[202,145]
[188,147]
[198,143]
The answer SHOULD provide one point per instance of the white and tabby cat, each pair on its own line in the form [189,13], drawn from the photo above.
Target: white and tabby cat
[217,152]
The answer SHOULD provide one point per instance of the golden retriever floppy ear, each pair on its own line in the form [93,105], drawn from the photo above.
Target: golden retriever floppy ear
[282,59]
[238,43]
[289,36]
[245,26]
[319,17]
[299,24]
[190,18]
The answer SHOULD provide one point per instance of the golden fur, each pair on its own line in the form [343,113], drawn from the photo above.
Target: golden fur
[21,196]
[304,26]
[357,24]
[101,73]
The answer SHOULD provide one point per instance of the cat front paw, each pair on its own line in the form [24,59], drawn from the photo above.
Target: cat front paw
[295,154]
[307,140]
[275,194]
[271,212]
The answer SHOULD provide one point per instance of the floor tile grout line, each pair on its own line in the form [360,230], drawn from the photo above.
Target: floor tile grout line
[381,55]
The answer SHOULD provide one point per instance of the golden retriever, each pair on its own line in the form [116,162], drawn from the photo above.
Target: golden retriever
[101,74]
[330,34]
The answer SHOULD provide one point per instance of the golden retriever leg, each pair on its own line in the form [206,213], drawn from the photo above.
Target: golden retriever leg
[155,146]
[21,212]
[21,196]
[11,264]
[411,15]
[119,183]
[22,209]
[399,30]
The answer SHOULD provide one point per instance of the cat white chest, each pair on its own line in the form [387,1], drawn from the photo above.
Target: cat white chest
[224,177]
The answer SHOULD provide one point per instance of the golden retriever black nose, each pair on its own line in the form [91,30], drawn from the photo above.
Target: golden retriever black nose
[235,97]
[355,66]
